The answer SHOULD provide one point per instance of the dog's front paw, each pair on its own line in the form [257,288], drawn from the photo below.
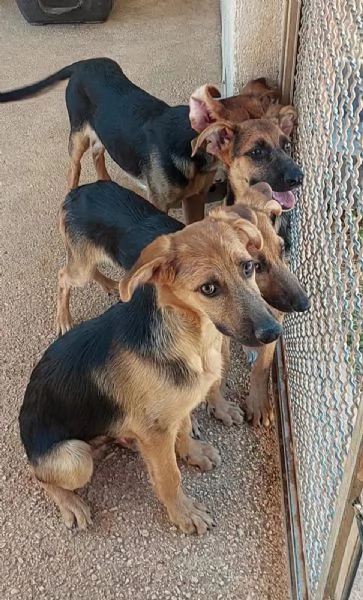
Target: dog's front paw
[190,516]
[202,455]
[259,411]
[225,411]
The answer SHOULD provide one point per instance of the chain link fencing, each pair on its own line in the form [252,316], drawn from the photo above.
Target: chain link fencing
[324,348]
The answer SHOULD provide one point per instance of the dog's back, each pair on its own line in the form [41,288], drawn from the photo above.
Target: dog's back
[114,219]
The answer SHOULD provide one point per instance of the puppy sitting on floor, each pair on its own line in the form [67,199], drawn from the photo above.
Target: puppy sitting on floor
[104,223]
[138,370]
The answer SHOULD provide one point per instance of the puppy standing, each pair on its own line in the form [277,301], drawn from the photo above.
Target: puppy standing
[138,370]
[151,141]
[278,286]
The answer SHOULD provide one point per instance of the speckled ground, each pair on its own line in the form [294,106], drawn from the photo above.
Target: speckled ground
[132,551]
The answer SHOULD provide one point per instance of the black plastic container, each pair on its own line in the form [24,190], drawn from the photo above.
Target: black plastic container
[51,12]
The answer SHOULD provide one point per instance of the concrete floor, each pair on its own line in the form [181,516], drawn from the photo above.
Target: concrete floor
[132,551]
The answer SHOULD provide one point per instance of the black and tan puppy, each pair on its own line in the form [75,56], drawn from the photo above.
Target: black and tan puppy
[138,370]
[151,140]
[105,223]
[278,286]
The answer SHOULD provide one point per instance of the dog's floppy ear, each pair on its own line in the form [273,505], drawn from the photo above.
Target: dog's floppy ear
[247,231]
[241,210]
[215,139]
[273,208]
[203,108]
[152,260]
[263,188]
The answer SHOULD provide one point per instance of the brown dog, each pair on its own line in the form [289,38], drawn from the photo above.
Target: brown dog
[255,101]
[254,151]
[138,370]
[103,222]
[281,290]
[147,138]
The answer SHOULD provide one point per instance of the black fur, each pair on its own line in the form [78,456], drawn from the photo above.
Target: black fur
[115,219]
[136,128]
[65,398]
[130,123]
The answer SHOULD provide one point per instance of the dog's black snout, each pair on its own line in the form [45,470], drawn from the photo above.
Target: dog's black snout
[269,333]
[293,177]
[301,304]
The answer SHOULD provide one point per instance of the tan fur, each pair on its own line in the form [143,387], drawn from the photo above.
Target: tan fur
[79,143]
[257,208]
[230,142]
[156,412]
[259,410]
[256,100]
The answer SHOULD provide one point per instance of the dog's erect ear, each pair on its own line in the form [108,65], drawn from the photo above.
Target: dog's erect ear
[273,208]
[247,231]
[215,139]
[203,108]
[152,261]
[287,119]
[284,116]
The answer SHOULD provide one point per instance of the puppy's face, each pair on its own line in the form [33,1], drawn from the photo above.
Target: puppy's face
[207,270]
[255,151]
[278,286]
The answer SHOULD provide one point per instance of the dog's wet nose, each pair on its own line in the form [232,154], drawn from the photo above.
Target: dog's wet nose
[301,304]
[268,334]
[294,177]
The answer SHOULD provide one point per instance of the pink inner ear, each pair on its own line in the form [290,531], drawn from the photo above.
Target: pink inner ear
[287,125]
[217,139]
[199,115]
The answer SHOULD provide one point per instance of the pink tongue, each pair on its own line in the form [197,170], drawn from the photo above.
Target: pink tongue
[286,199]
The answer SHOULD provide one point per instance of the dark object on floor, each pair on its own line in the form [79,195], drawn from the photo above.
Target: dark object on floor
[52,12]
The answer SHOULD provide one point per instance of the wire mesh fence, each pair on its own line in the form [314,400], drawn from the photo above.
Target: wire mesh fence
[324,348]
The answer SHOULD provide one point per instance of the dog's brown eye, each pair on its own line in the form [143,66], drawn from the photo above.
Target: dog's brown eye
[209,289]
[287,148]
[258,267]
[248,268]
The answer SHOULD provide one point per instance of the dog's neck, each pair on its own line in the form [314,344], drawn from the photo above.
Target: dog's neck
[239,183]
[197,341]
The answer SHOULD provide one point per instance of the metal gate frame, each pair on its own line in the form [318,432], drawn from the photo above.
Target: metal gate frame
[344,547]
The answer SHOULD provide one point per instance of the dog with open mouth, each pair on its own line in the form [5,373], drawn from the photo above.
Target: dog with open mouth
[151,141]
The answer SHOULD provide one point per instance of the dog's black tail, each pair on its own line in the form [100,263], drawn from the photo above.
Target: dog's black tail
[40,86]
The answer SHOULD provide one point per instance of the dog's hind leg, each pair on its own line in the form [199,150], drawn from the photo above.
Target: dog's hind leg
[98,155]
[63,317]
[77,273]
[66,468]
[78,144]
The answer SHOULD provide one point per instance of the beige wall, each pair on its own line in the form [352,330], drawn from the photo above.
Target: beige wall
[252,32]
